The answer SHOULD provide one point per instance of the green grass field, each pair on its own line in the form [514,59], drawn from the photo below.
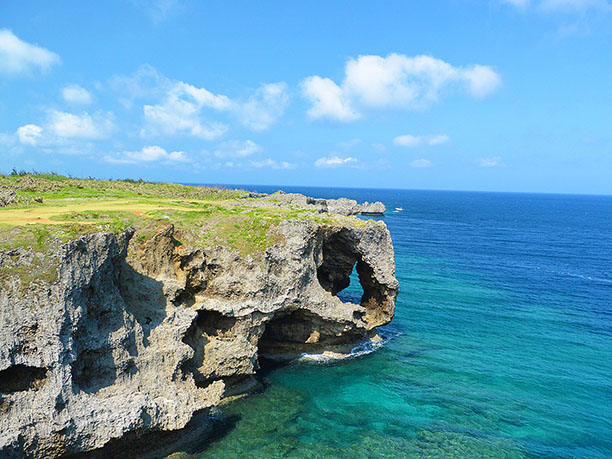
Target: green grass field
[205,215]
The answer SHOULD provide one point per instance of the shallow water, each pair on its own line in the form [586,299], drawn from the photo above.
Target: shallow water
[501,345]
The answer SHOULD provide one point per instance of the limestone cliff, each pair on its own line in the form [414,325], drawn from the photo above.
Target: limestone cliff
[121,334]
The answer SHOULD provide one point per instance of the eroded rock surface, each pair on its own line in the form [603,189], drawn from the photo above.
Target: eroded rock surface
[131,336]
[341,206]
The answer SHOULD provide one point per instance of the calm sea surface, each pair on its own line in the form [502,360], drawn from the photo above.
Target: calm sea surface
[501,345]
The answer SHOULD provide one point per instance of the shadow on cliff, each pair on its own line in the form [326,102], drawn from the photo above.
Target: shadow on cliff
[107,339]
[200,433]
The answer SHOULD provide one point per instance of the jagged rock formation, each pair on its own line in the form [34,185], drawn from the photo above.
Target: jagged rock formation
[7,197]
[341,206]
[128,335]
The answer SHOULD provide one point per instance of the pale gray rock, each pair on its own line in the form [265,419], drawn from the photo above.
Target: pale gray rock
[372,208]
[341,206]
[128,337]
[7,197]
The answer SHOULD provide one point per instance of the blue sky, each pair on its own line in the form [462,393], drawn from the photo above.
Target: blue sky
[502,95]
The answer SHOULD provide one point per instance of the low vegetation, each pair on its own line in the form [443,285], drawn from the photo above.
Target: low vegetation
[48,209]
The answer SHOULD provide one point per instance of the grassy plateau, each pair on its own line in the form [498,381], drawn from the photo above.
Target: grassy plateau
[47,209]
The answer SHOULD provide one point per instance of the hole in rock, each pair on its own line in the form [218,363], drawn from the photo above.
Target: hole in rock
[291,333]
[338,272]
[20,378]
[353,293]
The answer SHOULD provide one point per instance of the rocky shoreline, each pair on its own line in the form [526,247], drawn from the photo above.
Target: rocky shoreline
[132,336]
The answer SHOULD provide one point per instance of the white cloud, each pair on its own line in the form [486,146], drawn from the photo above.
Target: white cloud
[18,57]
[393,82]
[438,139]
[264,107]
[482,80]
[494,161]
[82,126]
[67,133]
[408,140]
[180,113]
[334,161]
[328,100]
[201,96]
[29,134]
[411,141]
[421,163]
[272,164]
[181,108]
[237,149]
[149,154]
[75,94]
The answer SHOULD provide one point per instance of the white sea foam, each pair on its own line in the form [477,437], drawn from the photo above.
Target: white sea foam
[367,347]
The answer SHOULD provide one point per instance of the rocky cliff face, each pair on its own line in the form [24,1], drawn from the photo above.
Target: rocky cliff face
[129,335]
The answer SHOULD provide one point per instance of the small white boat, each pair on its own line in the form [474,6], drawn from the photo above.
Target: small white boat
[398,209]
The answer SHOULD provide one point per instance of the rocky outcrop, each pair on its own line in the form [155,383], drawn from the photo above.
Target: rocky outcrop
[131,335]
[7,197]
[341,206]
[372,208]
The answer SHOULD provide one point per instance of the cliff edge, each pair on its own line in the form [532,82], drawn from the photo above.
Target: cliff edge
[132,321]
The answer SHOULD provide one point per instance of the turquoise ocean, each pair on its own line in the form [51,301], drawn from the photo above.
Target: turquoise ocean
[501,345]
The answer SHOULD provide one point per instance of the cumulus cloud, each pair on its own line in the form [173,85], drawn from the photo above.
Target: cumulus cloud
[421,163]
[19,57]
[494,161]
[393,82]
[335,161]
[262,109]
[29,134]
[270,163]
[150,154]
[66,133]
[237,149]
[180,113]
[184,109]
[328,100]
[75,94]
[80,126]
[412,141]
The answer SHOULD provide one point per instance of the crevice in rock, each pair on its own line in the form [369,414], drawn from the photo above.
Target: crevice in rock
[19,378]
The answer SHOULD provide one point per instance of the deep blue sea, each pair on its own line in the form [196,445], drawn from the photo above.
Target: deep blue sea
[501,344]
